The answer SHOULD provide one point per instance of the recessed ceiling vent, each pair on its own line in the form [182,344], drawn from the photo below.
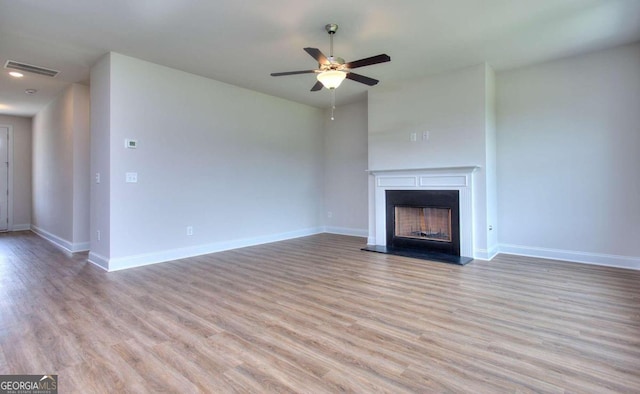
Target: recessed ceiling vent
[30,68]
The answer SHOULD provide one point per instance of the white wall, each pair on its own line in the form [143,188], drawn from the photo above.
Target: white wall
[100,149]
[21,186]
[239,166]
[59,136]
[52,168]
[568,140]
[452,107]
[81,164]
[345,165]
[491,166]
[568,158]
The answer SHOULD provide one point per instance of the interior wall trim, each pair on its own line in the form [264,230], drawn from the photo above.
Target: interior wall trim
[61,243]
[609,260]
[120,263]
[354,232]
[99,261]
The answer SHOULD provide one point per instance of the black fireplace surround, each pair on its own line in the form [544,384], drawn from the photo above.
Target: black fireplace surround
[448,199]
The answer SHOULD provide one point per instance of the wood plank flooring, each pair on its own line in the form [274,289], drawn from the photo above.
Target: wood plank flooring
[317,315]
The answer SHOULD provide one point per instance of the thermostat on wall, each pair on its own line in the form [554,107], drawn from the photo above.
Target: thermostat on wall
[131,144]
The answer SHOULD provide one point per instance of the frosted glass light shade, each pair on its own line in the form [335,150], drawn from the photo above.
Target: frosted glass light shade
[331,79]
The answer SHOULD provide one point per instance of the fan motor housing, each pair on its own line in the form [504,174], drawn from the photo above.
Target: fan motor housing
[331,28]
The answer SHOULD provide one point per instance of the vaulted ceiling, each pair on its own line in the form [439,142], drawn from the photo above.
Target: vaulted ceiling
[241,42]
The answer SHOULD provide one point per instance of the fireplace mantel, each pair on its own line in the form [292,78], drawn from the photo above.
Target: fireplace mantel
[440,178]
[430,170]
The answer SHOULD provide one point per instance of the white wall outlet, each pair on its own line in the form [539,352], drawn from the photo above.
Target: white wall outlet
[413,137]
[98,235]
[130,144]
[131,177]
[97,177]
[189,230]
[329,214]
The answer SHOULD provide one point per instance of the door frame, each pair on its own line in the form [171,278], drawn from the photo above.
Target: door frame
[9,176]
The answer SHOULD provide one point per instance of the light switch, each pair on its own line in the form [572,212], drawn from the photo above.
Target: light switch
[132,177]
[97,177]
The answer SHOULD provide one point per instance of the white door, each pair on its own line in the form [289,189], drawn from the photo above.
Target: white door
[4,178]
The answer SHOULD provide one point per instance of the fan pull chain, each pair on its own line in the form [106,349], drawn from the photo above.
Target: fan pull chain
[333,91]
[333,102]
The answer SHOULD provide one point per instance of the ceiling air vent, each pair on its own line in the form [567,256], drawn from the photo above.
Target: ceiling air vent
[30,68]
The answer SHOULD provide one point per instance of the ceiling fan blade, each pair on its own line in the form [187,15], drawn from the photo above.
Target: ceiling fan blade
[318,55]
[362,79]
[368,61]
[293,73]
[317,86]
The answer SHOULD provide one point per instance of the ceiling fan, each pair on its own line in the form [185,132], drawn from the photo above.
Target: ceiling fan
[333,70]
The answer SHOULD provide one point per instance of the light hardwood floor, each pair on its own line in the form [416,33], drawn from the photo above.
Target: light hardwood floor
[317,315]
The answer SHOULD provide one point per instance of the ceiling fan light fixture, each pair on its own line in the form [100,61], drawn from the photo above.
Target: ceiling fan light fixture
[331,79]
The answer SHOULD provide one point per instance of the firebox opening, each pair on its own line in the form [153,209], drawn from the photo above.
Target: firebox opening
[427,223]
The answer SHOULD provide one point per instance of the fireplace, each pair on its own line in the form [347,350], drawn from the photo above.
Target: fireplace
[423,220]
[441,229]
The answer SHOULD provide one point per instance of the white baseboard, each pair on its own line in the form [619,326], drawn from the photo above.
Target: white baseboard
[99,261]
[139,260]
[573,256]
[21,227]
[180,253]
[63,244]
[354,232]
[488,255]
[81,247]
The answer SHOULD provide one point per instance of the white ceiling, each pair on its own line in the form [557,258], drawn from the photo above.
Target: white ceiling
[242,41]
